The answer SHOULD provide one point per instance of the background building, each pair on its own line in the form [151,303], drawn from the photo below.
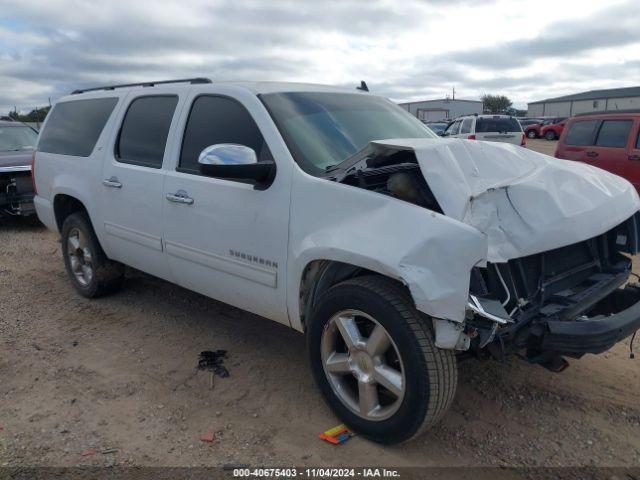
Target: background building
[442,109]
[592,101]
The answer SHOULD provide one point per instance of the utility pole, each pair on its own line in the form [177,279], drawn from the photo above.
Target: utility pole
[453,96]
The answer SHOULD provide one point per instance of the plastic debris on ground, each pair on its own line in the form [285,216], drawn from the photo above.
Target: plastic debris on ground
[208,437]
[213,361]
[88,452]
[336,435]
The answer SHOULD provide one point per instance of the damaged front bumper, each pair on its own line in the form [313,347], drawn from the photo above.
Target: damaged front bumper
[594,334]
[16,191]
[568,301]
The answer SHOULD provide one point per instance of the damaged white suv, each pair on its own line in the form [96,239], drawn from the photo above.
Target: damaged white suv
[341,215]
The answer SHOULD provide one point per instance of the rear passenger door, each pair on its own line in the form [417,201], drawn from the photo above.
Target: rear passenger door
[633,157]
[132,182]
[609,151]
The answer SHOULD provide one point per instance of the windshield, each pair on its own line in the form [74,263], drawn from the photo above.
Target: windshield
[323,129]
[15,139]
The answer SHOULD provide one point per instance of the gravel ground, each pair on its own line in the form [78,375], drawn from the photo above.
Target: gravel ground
[117,375]
[543,146]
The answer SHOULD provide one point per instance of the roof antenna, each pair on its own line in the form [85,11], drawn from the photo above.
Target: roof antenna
[363,86]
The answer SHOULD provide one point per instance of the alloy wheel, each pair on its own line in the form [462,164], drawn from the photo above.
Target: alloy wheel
[363,365]
[80,258]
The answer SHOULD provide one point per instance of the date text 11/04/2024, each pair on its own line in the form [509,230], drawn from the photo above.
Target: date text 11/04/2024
[316,472]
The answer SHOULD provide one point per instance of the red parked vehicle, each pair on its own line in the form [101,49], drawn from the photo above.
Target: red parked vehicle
[606,140]
[534,131]
[553,131]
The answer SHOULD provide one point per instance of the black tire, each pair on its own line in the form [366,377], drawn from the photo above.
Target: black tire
[550,135]
[532,134]
[431,373]
[108,275]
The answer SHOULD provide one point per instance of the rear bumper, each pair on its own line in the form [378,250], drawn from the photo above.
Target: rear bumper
[44,209]
[17,204]
[596,334]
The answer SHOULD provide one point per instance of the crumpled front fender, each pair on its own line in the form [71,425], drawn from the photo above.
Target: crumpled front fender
[432,254]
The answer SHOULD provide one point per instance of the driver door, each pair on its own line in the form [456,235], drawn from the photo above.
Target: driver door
[225,238]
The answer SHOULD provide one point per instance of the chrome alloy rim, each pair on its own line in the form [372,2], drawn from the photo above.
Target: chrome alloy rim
[80,257]
[363,365]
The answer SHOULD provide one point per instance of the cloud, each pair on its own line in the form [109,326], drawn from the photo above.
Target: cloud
[404,50]
[605,29]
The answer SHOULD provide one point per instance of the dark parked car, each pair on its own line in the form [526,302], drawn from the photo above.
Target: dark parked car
[609,141]
[17,143]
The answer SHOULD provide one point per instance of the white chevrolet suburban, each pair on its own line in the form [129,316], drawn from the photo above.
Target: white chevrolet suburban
[339,214]
[490,128]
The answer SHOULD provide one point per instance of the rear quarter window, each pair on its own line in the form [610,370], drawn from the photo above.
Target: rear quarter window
[581,133]
[73,127]
[614,133]
[485,125]
[466,126]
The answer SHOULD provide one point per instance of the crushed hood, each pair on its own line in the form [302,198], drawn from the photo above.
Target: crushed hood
[525,202]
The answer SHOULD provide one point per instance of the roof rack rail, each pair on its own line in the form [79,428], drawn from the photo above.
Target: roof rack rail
[193,81]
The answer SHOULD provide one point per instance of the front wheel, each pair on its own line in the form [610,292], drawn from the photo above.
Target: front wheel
[550,135]
[373,357]
[531,134]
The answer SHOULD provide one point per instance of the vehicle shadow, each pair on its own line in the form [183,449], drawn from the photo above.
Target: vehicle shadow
[12,222]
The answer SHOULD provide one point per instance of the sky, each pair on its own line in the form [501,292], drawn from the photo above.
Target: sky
[405,50]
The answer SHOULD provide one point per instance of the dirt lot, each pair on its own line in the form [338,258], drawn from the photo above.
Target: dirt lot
[543,146]
[118,375]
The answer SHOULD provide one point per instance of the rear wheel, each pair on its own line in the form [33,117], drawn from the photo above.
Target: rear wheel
[374,359]
[550,135]
[90,271]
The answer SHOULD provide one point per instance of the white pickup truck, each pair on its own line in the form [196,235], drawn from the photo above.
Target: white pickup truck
[339,214]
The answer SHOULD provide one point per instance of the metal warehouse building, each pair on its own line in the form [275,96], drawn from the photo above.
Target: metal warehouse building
[592,101]
[445,108]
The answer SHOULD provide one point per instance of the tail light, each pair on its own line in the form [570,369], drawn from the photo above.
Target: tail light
[523,142]
[471,137]
[33,172]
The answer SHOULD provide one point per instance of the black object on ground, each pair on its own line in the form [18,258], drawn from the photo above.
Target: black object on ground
[213,362]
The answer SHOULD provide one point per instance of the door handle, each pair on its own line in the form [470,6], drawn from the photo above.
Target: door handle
[180,197]
[634,157]
[592,154]
[111,182]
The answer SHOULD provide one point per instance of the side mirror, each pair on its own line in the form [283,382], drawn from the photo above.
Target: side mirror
[236,162]
[443,134]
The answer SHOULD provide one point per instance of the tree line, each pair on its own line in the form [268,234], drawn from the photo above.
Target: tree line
[37,115]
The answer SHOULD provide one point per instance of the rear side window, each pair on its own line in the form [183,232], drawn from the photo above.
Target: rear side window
[614,133]
[466,126]
[73,128]
[144,131]
[581,133]
[216,120]
[485,125]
